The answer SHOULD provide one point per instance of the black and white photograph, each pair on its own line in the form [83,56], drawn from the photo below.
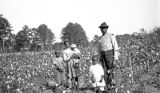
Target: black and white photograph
[79,46]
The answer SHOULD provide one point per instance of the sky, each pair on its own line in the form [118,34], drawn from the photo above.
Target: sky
[122,16]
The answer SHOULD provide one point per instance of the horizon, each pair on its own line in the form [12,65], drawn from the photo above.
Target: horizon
[121,15]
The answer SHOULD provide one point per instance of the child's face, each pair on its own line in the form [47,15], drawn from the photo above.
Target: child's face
[94,62]
[94,59]
[66,44]
[57,54]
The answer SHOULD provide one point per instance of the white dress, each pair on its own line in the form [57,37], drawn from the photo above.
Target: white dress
[97,71]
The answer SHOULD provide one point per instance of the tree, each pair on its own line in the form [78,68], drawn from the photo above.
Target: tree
[74,33]
[35,39]
[22,38]
[5,27]
[5,31]
[58,46]
[12,43]
[46,35]
[95,40]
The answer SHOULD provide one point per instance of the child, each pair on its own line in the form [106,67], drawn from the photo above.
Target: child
[97,75]
[58,61]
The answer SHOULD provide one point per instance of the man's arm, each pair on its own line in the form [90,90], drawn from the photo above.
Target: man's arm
[115,47]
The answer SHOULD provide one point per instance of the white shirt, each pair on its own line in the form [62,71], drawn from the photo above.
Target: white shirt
[97,71]
[109,42]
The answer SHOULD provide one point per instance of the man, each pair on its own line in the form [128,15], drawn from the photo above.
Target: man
[108,53]
[97,75]
[70,57]
[59,63]
[64,55]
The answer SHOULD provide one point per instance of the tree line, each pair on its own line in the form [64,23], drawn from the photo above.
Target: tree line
[40,38]
[43,38]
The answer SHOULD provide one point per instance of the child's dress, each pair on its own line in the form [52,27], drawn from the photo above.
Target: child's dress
[97,71]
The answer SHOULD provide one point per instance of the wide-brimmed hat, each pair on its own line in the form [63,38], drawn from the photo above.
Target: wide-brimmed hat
[73,46]
[104,25]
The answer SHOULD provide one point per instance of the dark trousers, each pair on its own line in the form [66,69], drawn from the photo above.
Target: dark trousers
[107,58]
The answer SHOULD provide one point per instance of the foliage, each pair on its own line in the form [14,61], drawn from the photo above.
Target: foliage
[74,33]
[32,39]
[5,28]
[140,53]
[22,38]
[46,35]
[94,42]
[58,46]
[35,40]
[5,33]
[138,66]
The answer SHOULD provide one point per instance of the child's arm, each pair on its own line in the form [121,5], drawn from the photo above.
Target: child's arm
[102,77]
[93,79]
[91,76]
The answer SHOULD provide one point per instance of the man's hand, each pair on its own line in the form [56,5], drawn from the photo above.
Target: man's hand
[116,63]
[116,54]
[115,58]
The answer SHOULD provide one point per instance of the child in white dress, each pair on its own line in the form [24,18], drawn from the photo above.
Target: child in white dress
[97,75]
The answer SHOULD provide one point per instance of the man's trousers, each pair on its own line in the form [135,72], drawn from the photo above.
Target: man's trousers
[107,58]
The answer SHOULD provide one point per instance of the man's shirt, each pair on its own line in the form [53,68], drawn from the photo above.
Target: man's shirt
[109,42]
[67,53]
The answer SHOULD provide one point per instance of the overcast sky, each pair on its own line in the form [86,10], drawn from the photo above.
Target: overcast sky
[123,16]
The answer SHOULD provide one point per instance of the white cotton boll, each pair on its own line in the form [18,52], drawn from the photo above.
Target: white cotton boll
[8,86]
[18,91]
[128,91]
[56,85]
[130,75]
[64,91]
[8,76]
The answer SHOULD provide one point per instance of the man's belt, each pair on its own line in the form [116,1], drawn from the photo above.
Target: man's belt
[106,49]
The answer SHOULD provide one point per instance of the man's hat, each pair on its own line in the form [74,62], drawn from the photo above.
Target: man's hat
[104,25]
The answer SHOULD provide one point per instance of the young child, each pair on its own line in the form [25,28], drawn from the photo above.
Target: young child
[58,61]
[97,75]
